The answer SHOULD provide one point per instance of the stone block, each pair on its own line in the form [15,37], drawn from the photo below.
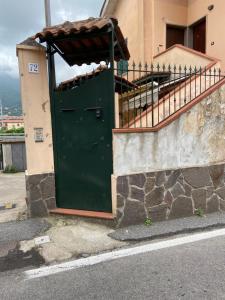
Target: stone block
[181,207]
[172,179]
[119,216]
[137,180]
[177,190]
[40,194]
[35,179]
[120,201]
[213,204]
[209,192]
[187,190]
[197,177]
[168,198]
[122,186]
[137,194]
[158,213]
[155,197]
[160,178]
[134,213]
[149,185]
[50,203]
[199,197]
[34,193]
[217,175]
[150,174]
[221,192]
[38,209]
[168,172]
[222,205]
[47,187]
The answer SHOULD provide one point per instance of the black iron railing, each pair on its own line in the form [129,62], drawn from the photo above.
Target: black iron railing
[150,94]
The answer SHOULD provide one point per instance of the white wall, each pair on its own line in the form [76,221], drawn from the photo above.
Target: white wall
[197,138]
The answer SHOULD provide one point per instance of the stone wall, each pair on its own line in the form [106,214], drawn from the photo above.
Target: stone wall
[40,194]
[169,194]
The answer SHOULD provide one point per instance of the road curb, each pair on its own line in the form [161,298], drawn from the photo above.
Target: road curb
[137,233]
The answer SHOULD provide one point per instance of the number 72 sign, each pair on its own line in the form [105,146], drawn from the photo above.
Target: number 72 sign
[33,68]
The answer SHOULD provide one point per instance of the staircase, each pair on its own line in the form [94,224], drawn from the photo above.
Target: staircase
[167,90]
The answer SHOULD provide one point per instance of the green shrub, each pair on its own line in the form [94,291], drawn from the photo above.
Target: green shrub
[10,169]
[12,130]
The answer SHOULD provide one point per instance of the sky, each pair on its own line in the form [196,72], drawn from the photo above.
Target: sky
[20,19]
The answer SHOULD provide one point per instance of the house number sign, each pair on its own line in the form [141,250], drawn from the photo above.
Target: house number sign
[33,68]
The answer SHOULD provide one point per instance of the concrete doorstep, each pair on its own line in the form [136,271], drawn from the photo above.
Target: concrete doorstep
[35,242]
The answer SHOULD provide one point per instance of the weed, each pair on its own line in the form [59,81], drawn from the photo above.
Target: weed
[10,169]
[148,222]
[199,212]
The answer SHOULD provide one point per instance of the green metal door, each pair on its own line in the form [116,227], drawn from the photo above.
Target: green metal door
[82,130]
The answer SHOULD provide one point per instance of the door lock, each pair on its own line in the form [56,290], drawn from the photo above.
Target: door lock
[98,111]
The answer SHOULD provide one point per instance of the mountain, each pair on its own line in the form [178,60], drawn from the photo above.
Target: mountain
[10,95]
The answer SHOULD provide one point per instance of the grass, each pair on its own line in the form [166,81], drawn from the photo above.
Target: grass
[10,169]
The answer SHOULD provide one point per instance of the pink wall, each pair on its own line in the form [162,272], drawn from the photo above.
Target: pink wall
[144,22]
[215,22]
[167,12]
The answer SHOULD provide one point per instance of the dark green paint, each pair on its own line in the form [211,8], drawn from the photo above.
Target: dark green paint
[83,144]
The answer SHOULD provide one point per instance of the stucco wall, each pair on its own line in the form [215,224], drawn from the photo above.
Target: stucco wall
[136,21]
[36,109]
[130,18]
[197,138]
[215,43]
[144,23]
[167,12]
[181,56]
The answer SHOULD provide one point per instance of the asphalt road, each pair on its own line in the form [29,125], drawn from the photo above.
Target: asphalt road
[191,271]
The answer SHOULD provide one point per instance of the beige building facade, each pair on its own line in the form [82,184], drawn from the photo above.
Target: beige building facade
[152,26]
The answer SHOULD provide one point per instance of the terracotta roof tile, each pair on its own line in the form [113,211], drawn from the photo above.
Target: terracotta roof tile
[68,28]
[83,47]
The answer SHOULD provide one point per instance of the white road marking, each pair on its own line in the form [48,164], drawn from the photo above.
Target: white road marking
[109,256]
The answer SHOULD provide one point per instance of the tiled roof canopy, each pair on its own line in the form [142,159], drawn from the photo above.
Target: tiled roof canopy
[85,41]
